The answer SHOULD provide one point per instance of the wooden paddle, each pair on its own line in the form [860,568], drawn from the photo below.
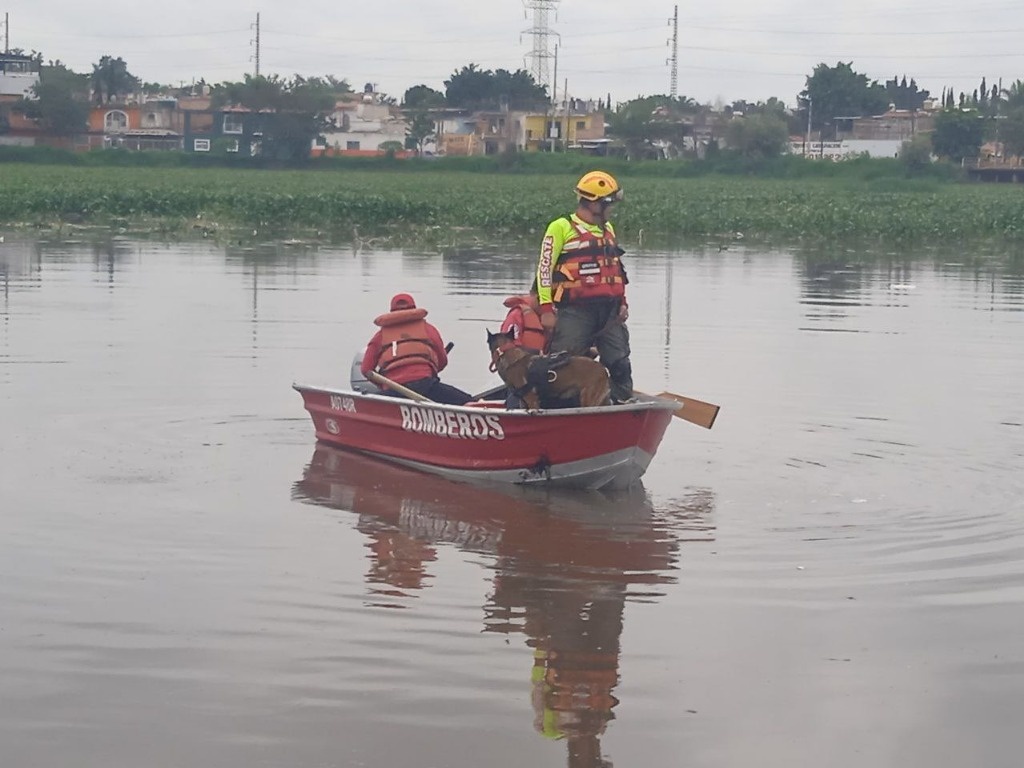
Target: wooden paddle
[383,381]
[694,411]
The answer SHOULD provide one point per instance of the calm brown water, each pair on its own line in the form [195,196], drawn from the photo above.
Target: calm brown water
[833,576]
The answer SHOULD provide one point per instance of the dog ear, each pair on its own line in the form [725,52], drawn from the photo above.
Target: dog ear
[490,336]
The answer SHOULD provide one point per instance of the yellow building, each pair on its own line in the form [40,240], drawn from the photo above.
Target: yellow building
[565,130]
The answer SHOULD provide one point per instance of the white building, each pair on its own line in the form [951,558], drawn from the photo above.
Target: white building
[18,75]
[362,126]
[846,149]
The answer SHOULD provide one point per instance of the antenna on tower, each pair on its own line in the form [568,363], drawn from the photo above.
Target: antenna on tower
[673,61]
[256,42]
[540,54]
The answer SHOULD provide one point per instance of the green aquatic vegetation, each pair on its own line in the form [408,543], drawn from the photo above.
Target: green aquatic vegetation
[402,204]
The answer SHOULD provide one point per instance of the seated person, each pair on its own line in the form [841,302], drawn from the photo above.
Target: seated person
[409,351]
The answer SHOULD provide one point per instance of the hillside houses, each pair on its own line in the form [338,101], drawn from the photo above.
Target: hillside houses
[360,124]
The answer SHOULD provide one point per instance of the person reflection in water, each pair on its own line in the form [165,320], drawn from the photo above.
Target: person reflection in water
[563,572]
[575,635]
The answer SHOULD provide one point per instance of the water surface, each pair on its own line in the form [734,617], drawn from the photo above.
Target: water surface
[833,575]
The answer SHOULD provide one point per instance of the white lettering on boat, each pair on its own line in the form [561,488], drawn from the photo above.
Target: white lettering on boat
[342,403]
[460,426]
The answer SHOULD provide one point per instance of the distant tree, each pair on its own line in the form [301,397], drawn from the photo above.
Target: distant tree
[422,97]
[475,88]
[904,95]
[420,129]
[156,89]
[757,136]
[337,87]
[1011,133]
[839,91]
[111,78]
[916,154]
[60,102]
[1014,94]
[518,90]
[468,87]
[642,122]
[291,112]
[773,106]
[744,107]
[958,134]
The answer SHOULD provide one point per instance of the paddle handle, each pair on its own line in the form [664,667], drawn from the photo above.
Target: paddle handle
[384,381]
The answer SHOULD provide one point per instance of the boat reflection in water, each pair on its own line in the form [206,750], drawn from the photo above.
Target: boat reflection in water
[565,564]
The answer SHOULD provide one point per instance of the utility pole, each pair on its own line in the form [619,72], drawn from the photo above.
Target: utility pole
[7,33]
[554,105]
[673,79]
[807,139]
[257,43]
[565,95]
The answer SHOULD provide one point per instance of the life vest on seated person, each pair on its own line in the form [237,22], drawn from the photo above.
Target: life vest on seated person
[523,322]
[406,353]
[589,267]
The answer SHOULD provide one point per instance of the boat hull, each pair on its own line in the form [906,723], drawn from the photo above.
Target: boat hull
[606,447]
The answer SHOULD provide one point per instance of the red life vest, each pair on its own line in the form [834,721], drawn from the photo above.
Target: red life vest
[589,267]
[404,341]
[531,332]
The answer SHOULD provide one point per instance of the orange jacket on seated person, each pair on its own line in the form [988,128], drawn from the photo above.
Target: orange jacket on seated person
[407,347]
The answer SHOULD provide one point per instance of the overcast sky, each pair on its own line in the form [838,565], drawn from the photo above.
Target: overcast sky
[736,49]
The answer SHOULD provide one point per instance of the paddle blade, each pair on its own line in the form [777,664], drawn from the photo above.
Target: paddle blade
[694,411]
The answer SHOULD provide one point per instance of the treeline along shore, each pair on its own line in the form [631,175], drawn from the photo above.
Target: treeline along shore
[786,198]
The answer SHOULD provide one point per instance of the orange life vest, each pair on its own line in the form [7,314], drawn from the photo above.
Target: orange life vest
[404,340]
[589,267]
[531,335]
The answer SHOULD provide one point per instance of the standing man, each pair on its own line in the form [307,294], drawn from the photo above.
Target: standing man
[409,351]
[581,283]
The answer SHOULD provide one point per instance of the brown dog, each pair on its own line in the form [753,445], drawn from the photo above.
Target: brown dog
[548,379]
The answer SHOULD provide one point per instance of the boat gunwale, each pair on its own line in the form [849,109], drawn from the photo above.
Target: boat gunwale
[643,403]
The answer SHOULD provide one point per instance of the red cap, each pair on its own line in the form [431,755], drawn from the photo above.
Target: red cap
[402,301]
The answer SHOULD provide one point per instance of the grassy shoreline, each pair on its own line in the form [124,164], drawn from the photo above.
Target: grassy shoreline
[439,204]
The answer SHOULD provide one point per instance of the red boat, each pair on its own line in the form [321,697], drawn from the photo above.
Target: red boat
[606,447]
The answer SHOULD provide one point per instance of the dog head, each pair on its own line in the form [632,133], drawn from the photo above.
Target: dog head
[499,344]
[496,340]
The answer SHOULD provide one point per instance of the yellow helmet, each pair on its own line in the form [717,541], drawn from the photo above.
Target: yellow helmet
[598,185]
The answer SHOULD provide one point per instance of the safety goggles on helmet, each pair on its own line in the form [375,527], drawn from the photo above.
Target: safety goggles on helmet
[615,197]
